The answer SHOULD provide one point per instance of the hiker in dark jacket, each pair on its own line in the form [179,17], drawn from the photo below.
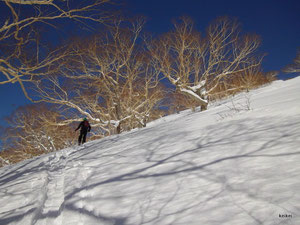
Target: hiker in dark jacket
[84,127]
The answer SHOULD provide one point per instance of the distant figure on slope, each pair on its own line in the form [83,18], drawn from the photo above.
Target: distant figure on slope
[85,127]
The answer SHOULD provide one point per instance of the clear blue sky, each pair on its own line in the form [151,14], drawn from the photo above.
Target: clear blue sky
[276,21]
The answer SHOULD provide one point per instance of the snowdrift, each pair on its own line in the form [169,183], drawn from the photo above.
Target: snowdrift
[236,163]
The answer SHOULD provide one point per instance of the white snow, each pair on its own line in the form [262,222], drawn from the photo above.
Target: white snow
[227,165]
[198,86]
[193,94]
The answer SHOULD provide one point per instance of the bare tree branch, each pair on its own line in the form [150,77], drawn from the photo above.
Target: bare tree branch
[196,65]
[33,131]
[22,56]
[111,80]
[295,66]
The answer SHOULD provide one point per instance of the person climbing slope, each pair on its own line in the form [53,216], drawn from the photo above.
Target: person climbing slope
[84,127]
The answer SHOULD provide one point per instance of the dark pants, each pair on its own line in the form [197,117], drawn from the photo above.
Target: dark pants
[82,137]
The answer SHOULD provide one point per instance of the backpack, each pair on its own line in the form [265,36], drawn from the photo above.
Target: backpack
[86,124]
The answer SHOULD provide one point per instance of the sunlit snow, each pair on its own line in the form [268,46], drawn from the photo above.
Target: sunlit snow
[236,163]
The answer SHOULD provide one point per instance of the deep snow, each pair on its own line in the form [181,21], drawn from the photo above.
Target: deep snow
[227,165]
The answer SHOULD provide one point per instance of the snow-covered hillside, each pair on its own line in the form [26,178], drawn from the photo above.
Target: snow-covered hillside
[227,165]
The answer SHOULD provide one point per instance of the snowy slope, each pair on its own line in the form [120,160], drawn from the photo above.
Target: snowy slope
[227,165]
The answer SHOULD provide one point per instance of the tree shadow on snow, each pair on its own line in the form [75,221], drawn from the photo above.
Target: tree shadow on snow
[209,156]
[237,133]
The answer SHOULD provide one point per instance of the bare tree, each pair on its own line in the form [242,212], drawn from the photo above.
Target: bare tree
[295,66]
[108,79]
[23,56]
[33,131]
[197,65]
[247,79]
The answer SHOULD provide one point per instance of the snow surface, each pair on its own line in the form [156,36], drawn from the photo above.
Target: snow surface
[227,165]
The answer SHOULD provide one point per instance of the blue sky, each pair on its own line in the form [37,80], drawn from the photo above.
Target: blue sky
[276,21]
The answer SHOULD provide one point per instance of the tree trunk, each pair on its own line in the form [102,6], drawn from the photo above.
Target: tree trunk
[118,117]
[119,128]
[203,107]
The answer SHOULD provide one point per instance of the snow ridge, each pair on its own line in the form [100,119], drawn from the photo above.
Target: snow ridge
[52,197]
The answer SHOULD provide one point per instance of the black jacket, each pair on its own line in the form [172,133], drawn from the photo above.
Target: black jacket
[85,126]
